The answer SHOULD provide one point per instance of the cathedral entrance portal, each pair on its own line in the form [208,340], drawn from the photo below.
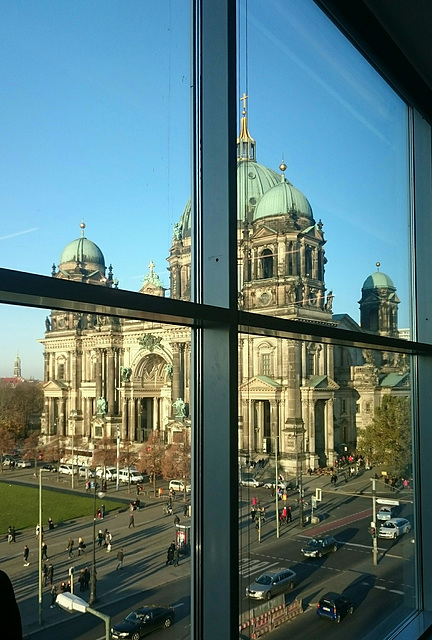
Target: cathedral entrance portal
[146,422]
[262,427]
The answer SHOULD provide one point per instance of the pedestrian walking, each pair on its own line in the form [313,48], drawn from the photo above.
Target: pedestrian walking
[10,535]
[185,509]
[26,555]
[81,580]
[120,557]
[53,592]
[86,578]
[44,575]
[131,520]
[50,574]
[44,551]
[81,546]
[108,540]
[106,537]
[176,520]
[103,511]
[69,548]
[50,524]
[176,556]
[100,537]
[170,553]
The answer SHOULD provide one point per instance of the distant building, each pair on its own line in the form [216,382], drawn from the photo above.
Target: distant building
[105,375]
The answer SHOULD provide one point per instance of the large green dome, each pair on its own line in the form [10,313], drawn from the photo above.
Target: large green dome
[284,199]
[82,250]
[378,280]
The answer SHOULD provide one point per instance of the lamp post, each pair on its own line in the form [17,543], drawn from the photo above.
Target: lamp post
[73,417]
[39,542]
[92,598]
[118,456]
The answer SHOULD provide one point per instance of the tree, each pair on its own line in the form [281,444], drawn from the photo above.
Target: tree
[106,453]
[387,440]
[7,443]
[151,456]
[20,406]
[55,452]
[177,463]
[127,458]
[31,447]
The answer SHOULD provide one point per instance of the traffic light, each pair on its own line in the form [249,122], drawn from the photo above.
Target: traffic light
[373,532]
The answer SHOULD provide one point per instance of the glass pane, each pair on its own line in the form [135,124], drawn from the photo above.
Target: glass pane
[322,176]
[326,488]
[94,128]
[101,411]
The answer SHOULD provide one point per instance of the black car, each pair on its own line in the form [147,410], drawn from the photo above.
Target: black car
[143,621]
[50,467]
[334,606]
[318,547]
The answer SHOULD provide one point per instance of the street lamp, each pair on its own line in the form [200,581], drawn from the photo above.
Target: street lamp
[118,456]
[73,417]
[93,573]
[72,603]
[40,538]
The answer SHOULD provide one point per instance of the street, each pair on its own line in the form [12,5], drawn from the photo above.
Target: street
[345,513]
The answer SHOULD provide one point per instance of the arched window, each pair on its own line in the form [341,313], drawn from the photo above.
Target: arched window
[267,263]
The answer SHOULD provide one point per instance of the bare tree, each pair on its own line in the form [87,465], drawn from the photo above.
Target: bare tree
[151,456]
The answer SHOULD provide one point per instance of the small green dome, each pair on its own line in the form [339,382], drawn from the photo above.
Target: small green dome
[378,280]
[284,199]
[82,250]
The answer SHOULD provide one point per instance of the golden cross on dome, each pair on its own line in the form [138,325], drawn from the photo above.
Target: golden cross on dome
[243,99]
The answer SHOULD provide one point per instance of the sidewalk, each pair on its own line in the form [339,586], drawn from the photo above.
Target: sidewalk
[144,549]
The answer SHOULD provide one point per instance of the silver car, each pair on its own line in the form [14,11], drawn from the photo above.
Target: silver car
[271,583]
[394,528]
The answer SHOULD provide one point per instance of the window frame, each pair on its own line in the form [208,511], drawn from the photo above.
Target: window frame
[216,321]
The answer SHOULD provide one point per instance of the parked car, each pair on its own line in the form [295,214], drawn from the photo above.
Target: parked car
[394,528]
[282,485]
[8,461]
[66,469]
[271,583]
[387,512]
[126,475]
[334,606]
[86,472]
[49,466]
[22,463]
[179,485]
[140,622]
[318,547]
[250,482]
[110,473]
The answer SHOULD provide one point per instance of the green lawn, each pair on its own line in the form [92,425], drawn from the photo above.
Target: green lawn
[20,506]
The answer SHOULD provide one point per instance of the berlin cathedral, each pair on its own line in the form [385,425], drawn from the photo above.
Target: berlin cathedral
[105,376]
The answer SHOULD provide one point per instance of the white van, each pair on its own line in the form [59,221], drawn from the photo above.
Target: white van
[133,476]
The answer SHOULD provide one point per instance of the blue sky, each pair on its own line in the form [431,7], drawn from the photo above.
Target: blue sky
[94,103]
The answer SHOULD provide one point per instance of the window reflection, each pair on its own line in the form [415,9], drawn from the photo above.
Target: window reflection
[325,446]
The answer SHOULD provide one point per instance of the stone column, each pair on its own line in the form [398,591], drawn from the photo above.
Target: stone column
[98,373]
[110,381]
[125,415]
[62,417]
[329,431]
[281,258]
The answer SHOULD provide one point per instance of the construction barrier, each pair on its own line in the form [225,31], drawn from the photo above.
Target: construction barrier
[271,619]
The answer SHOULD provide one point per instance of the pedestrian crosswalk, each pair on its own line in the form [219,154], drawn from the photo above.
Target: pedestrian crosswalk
[248,566]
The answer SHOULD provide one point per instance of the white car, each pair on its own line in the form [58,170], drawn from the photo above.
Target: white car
[250,482]
[131,476]
[110,473]
[86,472]
[179,485]
[394,528]
[23,463]
[66,469]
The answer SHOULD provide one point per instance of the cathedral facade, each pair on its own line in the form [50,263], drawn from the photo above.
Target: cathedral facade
[113,377]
